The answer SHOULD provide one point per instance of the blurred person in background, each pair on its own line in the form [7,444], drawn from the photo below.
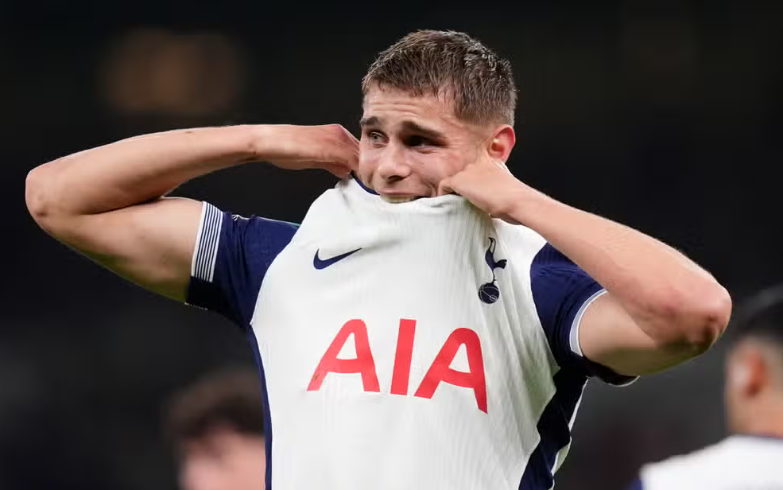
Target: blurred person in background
[751,458]
[433,321]
[217,429]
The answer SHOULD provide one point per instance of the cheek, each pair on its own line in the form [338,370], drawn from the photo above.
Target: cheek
[438,166]
[202,475]
[248,468]
[737,377]
[368,162]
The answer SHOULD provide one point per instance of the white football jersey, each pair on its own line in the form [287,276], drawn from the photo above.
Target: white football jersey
[419,345]
[736,463]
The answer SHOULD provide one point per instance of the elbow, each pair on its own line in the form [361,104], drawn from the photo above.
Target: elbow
[38,197]
[35,195]
[711,319]
[698,321]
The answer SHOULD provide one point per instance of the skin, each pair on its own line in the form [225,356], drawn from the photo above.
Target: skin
[109,203]
[660,309]
[409,145]
[223,459]
[754,388]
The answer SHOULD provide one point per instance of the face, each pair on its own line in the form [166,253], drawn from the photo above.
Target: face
[734,390]
[224,460]
[409,143]
[750,384]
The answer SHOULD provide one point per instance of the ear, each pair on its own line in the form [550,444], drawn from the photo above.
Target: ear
[748,371]
[502,142]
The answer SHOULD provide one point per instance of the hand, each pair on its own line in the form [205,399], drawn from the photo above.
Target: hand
[329,147]
[488,184]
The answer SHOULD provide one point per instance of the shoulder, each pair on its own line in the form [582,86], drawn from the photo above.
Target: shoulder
[231,257]
[533,255]
[517,234]
[224,235]
[518,240]
[332,209]
[711,467]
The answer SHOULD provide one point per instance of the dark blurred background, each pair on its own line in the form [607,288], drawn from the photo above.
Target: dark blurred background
[664,115]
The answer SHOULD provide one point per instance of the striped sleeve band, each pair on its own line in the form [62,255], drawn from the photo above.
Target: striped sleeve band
[207,241]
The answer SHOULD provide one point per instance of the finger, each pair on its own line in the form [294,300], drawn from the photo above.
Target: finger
[351,150]
[346,134]
[339,171]
[456,183]
[343,167]
[353,160]
[347,157]
[445,188]
[352,138]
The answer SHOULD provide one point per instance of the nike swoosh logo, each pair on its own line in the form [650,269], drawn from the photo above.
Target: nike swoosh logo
[319,264]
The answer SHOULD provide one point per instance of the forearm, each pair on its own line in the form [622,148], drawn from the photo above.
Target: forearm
[134,170]
[668,296]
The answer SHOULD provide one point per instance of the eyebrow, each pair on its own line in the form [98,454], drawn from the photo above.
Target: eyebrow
[408,126]
[369,121]
[430,133]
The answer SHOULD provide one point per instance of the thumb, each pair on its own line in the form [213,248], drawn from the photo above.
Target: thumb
[445,187]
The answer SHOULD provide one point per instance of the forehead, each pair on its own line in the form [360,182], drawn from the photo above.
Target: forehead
[391,107]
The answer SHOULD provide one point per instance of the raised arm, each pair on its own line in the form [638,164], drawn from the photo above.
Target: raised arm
[660,308]
[108,203]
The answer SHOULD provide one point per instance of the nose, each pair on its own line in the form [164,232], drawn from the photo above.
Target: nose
[393,165]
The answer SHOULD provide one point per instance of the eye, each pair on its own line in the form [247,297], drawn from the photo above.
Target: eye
[375,136]
[417,140]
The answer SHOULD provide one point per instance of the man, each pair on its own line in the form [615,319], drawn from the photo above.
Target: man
[217,430]
[751,459]
[408,334]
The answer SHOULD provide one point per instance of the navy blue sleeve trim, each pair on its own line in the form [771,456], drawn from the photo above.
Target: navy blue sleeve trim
[638,485]
[560,289]
[231,259]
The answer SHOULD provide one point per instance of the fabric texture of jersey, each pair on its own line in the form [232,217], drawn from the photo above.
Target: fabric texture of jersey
[736,463]
[419,345]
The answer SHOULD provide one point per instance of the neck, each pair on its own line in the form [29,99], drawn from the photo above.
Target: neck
[766,420]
